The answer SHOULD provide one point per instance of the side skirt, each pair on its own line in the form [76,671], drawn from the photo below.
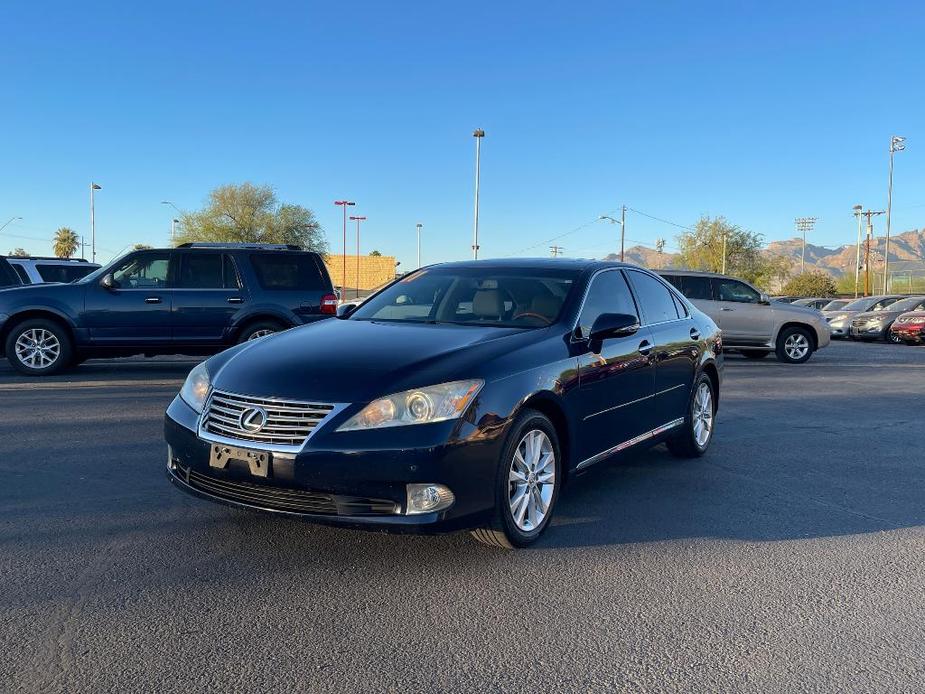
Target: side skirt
[658,431]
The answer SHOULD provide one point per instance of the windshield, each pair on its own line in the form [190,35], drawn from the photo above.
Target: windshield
[511,298]
[98,273]
[864,304]
[835,305]
[909,304]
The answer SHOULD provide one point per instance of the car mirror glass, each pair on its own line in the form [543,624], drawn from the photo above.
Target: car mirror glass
[108,282]
[344,310]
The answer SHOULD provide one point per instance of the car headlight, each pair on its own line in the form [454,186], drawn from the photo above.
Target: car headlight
[195,389]
[419,406]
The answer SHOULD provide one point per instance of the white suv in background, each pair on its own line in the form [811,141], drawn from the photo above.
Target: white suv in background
[40,270]
[751,323]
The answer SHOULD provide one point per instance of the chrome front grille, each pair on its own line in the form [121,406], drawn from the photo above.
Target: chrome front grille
[858,322]
[285,422]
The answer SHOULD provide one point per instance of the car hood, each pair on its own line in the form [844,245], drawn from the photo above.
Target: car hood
[886,314]
[342,361]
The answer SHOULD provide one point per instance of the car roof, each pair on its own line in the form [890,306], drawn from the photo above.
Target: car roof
[694,273]
[577,264]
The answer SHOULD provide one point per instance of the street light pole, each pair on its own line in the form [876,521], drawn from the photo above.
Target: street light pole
[857,256]
[419,227]
[622,223]
[358,220]
[9,221]
[343,282]
[93,187]
[897,144]
[478,134]
[174,222]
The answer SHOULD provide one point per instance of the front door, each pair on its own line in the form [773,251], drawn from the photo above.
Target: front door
[616,385]
[136,309]
[207,297]
[743,319]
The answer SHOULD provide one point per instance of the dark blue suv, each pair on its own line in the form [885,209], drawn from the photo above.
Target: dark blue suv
[194,299]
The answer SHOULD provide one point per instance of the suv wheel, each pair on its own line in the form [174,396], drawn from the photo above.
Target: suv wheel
[39,347]
[259,329]
[794,346]
[697,431]
[528,481]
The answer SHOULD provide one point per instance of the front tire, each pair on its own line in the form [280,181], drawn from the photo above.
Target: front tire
[794,346]
[893,338]
[527,485]
[39,347]
[697,431]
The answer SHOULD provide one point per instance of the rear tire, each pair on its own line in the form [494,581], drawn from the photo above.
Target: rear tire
[755,354]
[794,346]
[697,431]
[258,329]
[39,347]
[893,337]
[528,480]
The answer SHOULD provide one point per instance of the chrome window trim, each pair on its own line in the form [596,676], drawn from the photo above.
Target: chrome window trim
[336,408]
[671,290]
[631,442]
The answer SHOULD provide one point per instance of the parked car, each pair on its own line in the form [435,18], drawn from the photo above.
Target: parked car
[462,396]
[909,328]
[840,320]
[8,276]
[39,270]
[785,299]
[751,323]
[816,303]
[835,305]
[875,325]
[195,299]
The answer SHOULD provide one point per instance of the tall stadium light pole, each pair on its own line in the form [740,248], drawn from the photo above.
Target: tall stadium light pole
[358,220]
[857,256]
[897,144]
[419,226]
[478,134]
[804,224]
[343,282]
[93,187]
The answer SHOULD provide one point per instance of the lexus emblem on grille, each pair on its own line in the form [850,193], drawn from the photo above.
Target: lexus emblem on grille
[253,419]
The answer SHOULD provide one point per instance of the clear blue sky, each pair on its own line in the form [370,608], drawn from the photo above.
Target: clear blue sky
[759,112]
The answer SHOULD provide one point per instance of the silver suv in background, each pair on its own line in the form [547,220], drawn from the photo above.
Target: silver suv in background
[41,270]
[840,319]
[751,323]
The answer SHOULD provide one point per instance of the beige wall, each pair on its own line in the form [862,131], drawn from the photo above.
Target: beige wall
[374,270]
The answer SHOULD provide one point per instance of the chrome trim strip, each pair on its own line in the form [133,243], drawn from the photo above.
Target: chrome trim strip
[617,407]
[632,442]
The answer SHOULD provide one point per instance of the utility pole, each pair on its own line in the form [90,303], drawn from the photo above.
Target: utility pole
[870,233]
[93,187]
[83,248]
[478,134]
[659,248]
[857,256]
[804,224]
[358,220]
[725,235]
[897,144]
[622,223]
[343,282]
[556,250]
[419,227]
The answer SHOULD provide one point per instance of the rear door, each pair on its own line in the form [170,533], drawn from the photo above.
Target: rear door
[676,345]
[207,297]
[743,319]
[136,310]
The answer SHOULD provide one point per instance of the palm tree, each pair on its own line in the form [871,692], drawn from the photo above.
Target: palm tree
[66,242]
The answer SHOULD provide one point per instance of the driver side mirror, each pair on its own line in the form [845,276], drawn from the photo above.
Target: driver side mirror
[107,281]
[764,299]
[344,310]
[610,325]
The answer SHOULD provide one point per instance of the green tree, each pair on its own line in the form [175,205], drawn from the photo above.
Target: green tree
[66,242]
[812,283]
[19,253]
[141,247]
[375,254]
[252,214]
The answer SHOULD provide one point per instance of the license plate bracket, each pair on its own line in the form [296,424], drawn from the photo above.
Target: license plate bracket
[257,461]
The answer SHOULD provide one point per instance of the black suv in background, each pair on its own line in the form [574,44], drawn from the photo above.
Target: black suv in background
[8,276]
[194,299]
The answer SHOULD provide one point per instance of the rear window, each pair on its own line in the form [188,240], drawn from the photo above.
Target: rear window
[8,278]
[63,273]
[692,287]
[288,271]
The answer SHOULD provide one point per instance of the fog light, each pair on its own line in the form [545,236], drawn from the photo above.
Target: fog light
[427,498]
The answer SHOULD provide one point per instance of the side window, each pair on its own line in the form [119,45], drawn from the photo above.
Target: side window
[229,273]
[697,288]
[292,271]
[144,271]
[655,299]
[733,290]
[21,271]
[200,271]
[680,307]
[608,293]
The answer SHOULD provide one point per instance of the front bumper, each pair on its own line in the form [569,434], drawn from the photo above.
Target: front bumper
[867,332]
[910,333]
[341,479]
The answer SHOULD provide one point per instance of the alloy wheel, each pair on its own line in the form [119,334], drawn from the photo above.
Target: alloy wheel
[38,348]
[257,334]
[796,346]
[894,338]
[532,480]
[703,415]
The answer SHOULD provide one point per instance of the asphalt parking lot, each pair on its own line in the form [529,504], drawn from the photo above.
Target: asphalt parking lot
[790,558]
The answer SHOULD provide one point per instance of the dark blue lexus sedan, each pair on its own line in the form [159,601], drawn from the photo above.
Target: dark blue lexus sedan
[462,396]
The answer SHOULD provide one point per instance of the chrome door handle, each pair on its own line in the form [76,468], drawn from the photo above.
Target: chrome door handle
[235,300]
[727,309]
[695,334]
[153,300]
[645,347]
